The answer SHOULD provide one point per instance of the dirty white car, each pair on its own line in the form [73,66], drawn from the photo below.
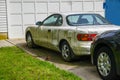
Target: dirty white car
[71,34]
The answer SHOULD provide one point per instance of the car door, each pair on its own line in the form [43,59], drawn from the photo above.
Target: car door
[48,29]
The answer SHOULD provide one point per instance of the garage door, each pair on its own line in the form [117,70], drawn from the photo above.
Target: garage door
[26,12]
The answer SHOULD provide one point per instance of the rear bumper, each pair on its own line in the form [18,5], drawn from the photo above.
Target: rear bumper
[82,48]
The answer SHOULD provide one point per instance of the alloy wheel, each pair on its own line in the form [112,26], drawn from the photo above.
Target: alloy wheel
[104,64]
[29,40]
[65,51]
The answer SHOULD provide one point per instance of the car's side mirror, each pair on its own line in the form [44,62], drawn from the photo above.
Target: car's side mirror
[39,23]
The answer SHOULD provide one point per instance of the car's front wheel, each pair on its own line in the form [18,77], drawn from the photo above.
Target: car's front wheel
[29,40]
[106,64]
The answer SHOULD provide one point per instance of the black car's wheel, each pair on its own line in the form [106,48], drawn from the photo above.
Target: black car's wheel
[66,51]
[106,64]
[29,41]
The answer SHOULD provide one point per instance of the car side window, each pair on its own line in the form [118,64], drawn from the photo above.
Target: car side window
[99,20]
[54,20]
[59,21]
[86,19]
[72,20]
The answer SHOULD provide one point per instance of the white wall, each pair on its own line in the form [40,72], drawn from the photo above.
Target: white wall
[22,13]
[3,16]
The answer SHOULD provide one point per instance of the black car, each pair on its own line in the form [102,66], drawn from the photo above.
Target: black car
[105,54]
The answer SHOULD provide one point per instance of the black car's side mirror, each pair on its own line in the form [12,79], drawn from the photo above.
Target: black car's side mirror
[39,23]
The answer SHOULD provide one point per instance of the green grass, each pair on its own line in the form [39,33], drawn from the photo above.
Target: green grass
[15,64]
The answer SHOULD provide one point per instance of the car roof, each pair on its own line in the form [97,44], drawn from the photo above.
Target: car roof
[65,14]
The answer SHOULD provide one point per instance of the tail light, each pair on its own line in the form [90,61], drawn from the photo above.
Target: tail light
[85,37]
[94,39]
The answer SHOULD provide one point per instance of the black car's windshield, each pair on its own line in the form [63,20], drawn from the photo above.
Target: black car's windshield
[86,19]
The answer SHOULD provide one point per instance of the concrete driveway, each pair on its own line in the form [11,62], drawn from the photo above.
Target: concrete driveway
[81,67]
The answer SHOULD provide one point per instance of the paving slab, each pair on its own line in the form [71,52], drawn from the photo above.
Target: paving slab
[5,43]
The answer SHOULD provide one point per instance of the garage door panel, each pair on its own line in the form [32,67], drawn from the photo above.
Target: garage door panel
[65,0]
[77,6]
[28,7]
[16,20]
[65,7]
[99,6]
[28,19]
[42,0]
[53,7]
[16,32]
[87,0]
[15,0]
[28,0]
[15,8]
[88,6]
[41,7]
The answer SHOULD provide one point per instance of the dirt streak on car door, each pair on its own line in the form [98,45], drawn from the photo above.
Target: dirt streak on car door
[52,37]
[42,36]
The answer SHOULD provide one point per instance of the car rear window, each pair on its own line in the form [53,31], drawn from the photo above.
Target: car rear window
[86,19]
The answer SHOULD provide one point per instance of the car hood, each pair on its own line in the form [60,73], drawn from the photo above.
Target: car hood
[97,28]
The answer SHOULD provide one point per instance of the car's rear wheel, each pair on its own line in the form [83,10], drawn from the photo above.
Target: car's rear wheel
[106,64]
[66,51]
[29,41]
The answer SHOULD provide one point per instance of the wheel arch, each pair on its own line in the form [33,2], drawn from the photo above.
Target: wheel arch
[71,55]
[61,41]
[27,32]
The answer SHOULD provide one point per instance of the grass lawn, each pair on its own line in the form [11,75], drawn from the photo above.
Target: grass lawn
[15,64]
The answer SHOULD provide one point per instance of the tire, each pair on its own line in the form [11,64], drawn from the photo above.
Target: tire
[66,52]
[29,41]
[105,64]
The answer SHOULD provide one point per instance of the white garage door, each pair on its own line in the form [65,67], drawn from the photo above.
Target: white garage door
[3,16]
[26,12]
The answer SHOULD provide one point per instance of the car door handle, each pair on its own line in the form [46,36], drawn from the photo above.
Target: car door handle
[49,30]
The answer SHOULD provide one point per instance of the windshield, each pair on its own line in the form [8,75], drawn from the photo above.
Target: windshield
[86,19]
